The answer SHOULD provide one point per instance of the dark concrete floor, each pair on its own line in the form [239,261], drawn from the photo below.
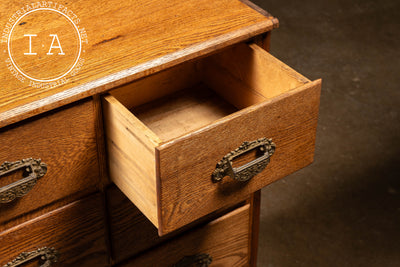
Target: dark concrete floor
[344,209]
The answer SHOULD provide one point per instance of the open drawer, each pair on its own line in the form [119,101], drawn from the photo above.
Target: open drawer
[174,135]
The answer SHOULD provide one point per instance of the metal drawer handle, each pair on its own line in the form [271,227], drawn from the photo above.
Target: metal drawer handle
[34,170]
[47,256]
[247,171]
[198,260]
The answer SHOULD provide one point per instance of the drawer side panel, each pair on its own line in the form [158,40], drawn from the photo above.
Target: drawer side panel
[131,155]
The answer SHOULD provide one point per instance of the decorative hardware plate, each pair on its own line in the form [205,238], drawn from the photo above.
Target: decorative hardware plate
[47,257]
[198,260]
[247,171]
[34,169]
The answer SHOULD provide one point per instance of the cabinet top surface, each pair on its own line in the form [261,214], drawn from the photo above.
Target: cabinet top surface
[120,41]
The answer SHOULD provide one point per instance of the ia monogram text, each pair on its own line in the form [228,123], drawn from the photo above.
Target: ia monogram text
[52,46]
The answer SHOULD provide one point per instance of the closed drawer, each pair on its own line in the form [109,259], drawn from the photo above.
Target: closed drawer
[64,140]
[223,242]
[75,231]
[131,232]
[166,133]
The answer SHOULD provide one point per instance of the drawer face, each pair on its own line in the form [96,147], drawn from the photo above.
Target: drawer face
[225,240]
[166,133]
[65,141]
[76,231]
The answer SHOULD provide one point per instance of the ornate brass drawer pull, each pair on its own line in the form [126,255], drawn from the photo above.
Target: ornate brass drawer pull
[198,260]
[247,171]
[34,169]
[47,257]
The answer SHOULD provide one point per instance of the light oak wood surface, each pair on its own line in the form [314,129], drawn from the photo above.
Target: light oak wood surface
[225,239]
[128,40]
[183,112]
[191,130]
[63,139]
[128,225]
[76,231]
[261,75]
[136,178]
[185,164]
[184,83]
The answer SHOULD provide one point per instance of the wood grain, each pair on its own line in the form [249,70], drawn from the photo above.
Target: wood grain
[226,240]
[191,133]
[75,230]
[100,142]
[263,73]
[230,87]
[66,141]
[157,85]
[137,38]
[259,10]
[185,111]
[131,232]
[131,153]
[263,40]
[186,191]
[255,206]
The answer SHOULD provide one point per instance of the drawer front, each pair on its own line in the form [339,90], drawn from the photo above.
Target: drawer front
[224,242]
[64,140]
[166,152]
[185,167]
[75,231]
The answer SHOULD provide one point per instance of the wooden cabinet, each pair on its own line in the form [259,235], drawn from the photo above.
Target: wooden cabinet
[177,103]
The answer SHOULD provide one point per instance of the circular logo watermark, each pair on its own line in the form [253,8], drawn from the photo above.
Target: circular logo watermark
[44,44]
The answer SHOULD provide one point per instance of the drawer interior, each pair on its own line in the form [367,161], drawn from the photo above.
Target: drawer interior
[166,132]
[183,111]
[192,95]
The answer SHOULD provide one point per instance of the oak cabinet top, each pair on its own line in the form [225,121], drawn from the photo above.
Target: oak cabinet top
[69,51]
